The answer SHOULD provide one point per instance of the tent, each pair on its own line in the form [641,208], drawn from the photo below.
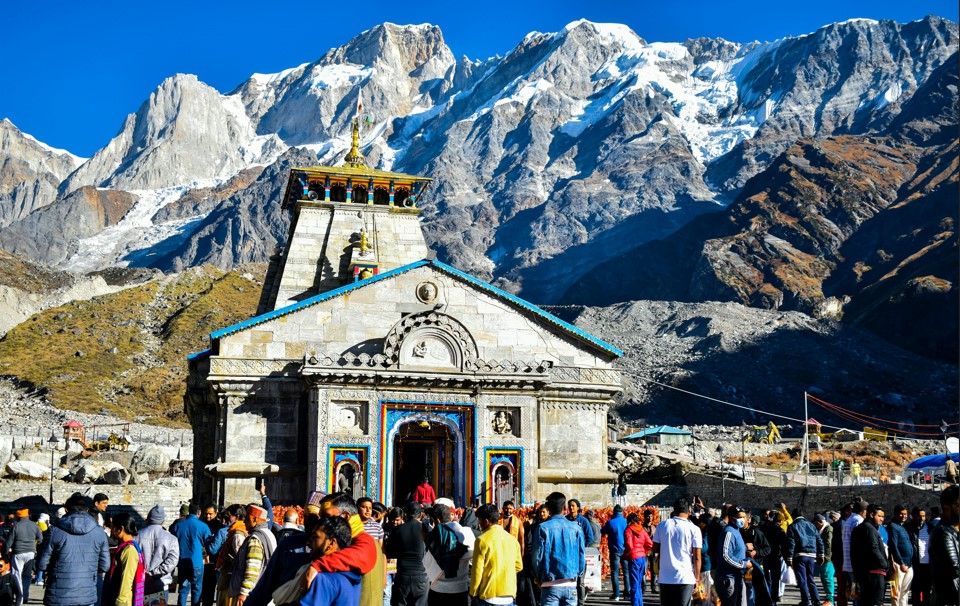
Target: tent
[930,464]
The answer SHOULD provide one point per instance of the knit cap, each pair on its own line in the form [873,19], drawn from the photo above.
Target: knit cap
[156,515]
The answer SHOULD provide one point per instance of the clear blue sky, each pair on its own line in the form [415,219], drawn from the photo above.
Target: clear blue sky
[71,71]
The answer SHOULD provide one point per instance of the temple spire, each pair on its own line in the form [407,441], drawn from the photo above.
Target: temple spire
[354,157]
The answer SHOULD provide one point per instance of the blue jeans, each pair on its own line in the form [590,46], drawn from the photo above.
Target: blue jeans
[805,567]
[191,581]
[558,596]
[615,561]
[637,566]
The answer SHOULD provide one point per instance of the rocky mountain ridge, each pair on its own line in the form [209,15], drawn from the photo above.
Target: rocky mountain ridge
[560,155]
[862,225]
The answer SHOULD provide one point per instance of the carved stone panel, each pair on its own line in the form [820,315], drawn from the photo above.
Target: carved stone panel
[348,418]
[504,421]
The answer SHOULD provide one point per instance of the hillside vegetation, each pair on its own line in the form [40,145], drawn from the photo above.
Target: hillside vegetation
[125,353]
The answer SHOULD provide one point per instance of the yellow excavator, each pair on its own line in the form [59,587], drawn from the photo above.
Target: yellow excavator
[768,434]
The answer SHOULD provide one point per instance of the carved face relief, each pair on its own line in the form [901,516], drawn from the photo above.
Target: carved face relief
[348,418]
[427,292]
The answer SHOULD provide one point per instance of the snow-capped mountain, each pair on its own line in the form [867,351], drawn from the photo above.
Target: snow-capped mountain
[30,172]
[186,131]
[572,149]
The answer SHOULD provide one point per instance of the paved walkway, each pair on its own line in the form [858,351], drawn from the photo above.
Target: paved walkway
[792,596]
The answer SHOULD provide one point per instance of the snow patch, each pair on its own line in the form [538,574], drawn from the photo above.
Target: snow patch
[335,76]
[135,232]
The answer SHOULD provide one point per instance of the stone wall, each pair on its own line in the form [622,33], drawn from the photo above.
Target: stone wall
[135,499]
[812,499]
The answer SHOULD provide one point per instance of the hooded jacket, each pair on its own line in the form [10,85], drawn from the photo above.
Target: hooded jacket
[76,553]
[161,550]
[333,589]
[638,542]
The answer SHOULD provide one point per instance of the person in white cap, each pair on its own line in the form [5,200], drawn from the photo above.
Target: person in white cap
[254,555]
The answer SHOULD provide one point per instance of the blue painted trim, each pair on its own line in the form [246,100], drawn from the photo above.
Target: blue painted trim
[552,319]
[520,463]
[330,294]
[200,355]
[384,439]
[485,286]
[364,447]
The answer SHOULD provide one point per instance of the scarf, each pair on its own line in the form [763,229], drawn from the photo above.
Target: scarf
[111,591]
[236,527]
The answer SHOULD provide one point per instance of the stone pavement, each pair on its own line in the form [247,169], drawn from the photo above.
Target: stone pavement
[791,596]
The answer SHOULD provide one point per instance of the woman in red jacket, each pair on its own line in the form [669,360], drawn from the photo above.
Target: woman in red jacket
[638,544]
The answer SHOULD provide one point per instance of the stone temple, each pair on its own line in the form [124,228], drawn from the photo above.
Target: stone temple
[371,365]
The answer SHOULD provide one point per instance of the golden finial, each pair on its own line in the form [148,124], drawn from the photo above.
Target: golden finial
[354,157]
[364,244]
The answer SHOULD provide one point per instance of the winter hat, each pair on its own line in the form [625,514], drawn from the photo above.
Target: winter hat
[185,509]
[61,512]
[834,515]
[157,515]
[445,501]
[259,512]
[819,518]
[617,509]
[23,513]
[45,518]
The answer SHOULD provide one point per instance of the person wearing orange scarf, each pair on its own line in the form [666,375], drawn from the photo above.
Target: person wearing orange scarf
[236,535]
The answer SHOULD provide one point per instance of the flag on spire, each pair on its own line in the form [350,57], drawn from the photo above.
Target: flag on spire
[359,101]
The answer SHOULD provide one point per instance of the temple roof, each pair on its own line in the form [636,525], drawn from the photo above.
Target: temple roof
[358,171]
[524,306]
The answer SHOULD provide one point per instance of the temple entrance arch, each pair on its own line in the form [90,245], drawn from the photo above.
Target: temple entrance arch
[433,441]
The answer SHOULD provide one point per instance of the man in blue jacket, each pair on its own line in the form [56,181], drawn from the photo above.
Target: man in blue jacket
[901,552]
[613,530]
[191,534]
[573,514]
[75,554]
[804,552]
[332,588]
[558,554]
[732,562]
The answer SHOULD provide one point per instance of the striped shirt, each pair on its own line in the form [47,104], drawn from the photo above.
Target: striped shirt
[374,529]
[852,522]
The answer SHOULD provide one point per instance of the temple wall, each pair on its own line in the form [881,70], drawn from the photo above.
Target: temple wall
[359,320]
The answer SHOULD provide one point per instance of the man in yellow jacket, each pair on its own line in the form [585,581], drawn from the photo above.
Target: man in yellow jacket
[496,561]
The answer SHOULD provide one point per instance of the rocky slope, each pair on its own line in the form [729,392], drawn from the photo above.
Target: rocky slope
[862,226]
[761,359]
[124,353]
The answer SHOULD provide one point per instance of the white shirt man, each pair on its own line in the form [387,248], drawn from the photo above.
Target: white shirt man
[677,543]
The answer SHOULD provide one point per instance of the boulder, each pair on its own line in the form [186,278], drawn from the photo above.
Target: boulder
[150,459]
[117,475]
[27,470]
[91,472]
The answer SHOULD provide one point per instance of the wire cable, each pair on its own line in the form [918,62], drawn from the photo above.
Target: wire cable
[751,408]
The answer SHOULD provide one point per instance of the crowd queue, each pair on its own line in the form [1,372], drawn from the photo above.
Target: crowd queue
[339,551]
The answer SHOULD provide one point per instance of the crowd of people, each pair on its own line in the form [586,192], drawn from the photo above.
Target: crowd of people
[337,551]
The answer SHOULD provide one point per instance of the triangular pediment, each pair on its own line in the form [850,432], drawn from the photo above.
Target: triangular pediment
[421,299]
